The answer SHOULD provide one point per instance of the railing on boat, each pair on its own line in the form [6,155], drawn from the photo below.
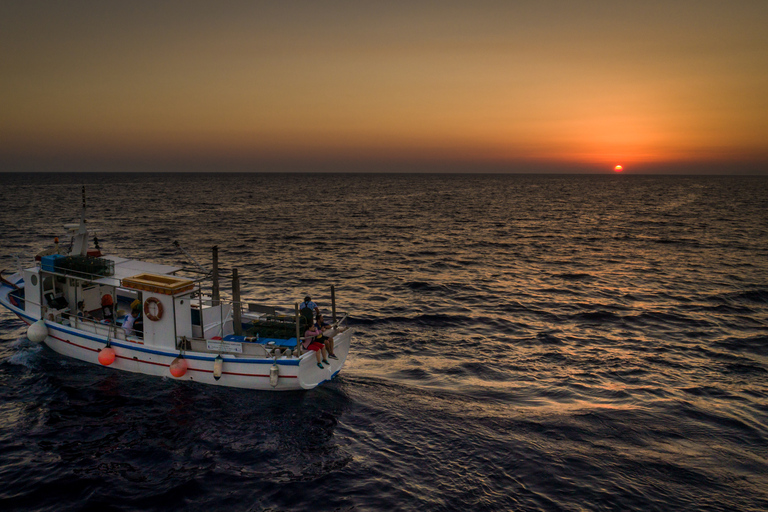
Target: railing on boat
[254,325]
[110,330]
[247,328]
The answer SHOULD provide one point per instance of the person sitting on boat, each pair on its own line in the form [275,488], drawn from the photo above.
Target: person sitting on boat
[81,312]
[318,348]
[130,320]
[326,335]
[107,308]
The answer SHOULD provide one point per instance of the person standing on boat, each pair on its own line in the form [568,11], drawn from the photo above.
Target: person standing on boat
[318,348]
[308,304]
[307,310]
[138,325]
[326,335]
[130,321]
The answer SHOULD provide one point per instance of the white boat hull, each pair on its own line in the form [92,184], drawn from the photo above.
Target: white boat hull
[239,371]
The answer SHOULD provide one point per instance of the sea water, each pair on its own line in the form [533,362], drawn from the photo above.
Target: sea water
[520,343]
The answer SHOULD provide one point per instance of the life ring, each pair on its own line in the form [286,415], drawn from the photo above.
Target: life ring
[148,311]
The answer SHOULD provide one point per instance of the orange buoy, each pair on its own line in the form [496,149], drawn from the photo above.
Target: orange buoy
[107,356]
[179,367]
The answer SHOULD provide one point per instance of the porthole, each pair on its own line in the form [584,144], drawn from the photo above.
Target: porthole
[33,280]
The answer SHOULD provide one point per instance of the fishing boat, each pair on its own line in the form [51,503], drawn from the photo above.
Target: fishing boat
[78,303]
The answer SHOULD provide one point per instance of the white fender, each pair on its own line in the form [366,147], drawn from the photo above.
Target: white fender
[218,365]
[37,332]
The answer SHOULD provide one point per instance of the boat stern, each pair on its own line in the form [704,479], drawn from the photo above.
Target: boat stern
[310,375]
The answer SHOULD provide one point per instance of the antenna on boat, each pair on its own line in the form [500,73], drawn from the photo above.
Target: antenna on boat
[80,239]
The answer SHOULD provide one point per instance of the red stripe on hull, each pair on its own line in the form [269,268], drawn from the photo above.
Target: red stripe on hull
[168,366]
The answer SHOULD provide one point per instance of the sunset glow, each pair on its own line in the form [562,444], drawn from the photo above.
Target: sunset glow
[618,168]
[487,83]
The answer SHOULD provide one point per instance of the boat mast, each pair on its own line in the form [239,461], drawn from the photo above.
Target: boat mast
[215,297]
[237,322]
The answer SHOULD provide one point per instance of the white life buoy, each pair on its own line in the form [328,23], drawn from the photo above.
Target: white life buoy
[153,313]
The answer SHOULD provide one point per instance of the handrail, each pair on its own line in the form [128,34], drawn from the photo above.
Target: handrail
[7,282]
[82,276]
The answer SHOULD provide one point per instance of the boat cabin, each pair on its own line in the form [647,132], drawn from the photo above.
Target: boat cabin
[109,287]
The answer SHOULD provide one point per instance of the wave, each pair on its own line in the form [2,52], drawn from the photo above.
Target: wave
[422,286]
[575,276]
[548,338]
[664,319]
[752,344]
[599,316]
[757,296]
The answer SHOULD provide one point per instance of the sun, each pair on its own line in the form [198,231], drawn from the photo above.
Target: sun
[618,168]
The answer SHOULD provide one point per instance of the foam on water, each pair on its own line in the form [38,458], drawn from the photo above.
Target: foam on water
[24,355]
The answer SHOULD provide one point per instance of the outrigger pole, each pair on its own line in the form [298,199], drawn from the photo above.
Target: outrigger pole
[180,248]
[298,338]
[333,302]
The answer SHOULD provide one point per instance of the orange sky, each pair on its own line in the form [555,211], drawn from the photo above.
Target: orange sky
[579,84]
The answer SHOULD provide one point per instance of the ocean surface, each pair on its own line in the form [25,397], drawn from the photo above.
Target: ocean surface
[522,343]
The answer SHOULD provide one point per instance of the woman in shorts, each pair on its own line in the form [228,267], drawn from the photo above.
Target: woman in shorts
[318,348]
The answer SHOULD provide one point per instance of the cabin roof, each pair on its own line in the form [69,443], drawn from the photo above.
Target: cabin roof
[125,267]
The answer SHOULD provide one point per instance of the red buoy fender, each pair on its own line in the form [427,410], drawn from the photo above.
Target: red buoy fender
[155,315]
[179,367]
[107,356]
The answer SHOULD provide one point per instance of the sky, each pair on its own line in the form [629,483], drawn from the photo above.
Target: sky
[508,86]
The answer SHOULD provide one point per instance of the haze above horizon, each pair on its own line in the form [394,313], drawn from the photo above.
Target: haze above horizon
[529,86]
